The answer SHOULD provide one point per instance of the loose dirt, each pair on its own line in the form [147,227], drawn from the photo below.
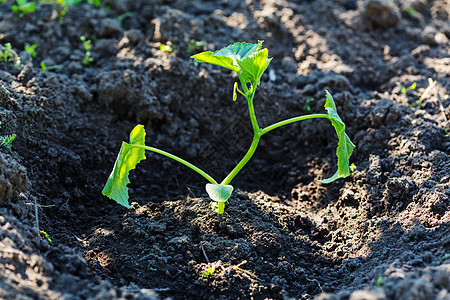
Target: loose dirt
[382,233]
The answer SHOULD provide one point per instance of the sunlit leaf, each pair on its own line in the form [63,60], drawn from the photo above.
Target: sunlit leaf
[345,145]
[253,66]
[229,56]
[129,156]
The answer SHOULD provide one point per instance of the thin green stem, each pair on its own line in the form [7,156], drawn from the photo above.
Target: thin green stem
[243,161]
[251,111]
[292,120]
[221,207]
[256,136]
[178,159]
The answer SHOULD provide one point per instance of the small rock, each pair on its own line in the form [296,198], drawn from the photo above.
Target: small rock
[376,294]
[289,64]
[381,13]
[105,47]
[108,28]
[134,36]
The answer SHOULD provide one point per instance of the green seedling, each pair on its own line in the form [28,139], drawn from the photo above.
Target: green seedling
[409,88]
[168,48]
[195,46]
[6,140]
[96,3]
[46,236]
[123,16]
[31,49]
[87,45]
[7,54]
[249,61]
[352,169]
[379,281]
[441,258]
[208,272]
[307,106]
[23,7]
[50,68]
[410,11]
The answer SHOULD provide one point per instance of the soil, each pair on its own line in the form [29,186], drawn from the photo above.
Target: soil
[382,233]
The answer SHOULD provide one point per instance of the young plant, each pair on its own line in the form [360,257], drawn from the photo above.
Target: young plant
[168,47]
[208,272]
[6,140]
[31,49]
[409,88]
[96,3]
[23,7]
[7,54]
[44,67]
[249,61]
[87,45]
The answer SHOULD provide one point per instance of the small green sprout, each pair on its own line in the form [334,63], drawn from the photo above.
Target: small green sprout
[379,281]
[123,16]
[208,272]
[410,88]
[46,236]
[31,49]
[6,140]
[195,46]
[87,45]
[96,3]
[49,68]
[23,7]
[410,11]
[249,61]
[307,106]
[352,169]
[7,54]
[168,47]
[441,258]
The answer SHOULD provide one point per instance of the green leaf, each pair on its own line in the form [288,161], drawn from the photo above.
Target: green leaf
[229,56]
[345,145]
[253,66]
[219,192]
[209,57]
[129,156]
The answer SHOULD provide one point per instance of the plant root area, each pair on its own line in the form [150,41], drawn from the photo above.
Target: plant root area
[381,233]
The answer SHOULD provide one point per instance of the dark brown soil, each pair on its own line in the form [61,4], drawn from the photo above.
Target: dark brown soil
[382,233]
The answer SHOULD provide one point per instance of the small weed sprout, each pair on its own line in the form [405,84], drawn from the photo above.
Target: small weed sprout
[195,46]
[168,47]
[445,256]
[307,106]
[6,140]
[23,7]
[96,3]
[208,272]
[44,67]
[31,49]
[123,16]
[409,88]
[7,54]
[87,45]
[379,281]
[249,61]
[46,236]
